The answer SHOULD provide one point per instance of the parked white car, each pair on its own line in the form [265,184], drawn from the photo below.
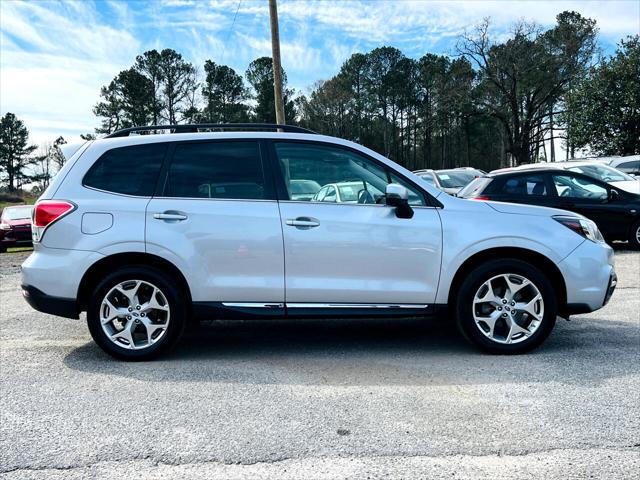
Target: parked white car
[451,180]
[146,233]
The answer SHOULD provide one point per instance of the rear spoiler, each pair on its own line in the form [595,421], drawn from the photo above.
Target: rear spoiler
[69,149]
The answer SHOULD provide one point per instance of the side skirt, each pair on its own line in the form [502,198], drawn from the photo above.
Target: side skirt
[253,310]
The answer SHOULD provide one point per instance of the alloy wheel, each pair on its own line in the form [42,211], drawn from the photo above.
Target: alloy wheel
[508,308]
[135,314]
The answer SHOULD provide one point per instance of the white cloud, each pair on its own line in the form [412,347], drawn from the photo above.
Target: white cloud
[54,63]
[55,56]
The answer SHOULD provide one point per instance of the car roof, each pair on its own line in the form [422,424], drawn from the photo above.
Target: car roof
[560,165]
[458,169]
[190,136]
[538,170]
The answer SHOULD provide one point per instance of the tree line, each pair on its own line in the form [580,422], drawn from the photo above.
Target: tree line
[22,163]
[496,102]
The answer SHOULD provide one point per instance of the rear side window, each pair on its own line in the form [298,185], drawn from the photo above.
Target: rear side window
[127,170]
[230,170]
[525,185]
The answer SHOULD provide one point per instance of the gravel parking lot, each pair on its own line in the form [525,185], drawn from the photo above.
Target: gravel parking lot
[314,399]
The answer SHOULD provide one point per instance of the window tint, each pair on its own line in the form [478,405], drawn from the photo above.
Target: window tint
[129,170]
[578,187]
[525,185]
[358,179]
[216,170]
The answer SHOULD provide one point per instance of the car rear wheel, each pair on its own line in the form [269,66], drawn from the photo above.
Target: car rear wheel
[136,313]
[506,306]
[634,235]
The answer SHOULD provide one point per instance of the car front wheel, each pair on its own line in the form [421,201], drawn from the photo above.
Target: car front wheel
[506,306]
[136,313]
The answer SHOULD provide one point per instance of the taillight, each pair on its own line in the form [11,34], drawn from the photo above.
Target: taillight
[481,198]
[47,212]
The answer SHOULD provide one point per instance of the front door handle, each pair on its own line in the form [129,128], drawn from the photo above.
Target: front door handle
[303,222]
[170,215]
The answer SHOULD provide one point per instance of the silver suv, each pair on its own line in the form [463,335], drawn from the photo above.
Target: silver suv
[149,232]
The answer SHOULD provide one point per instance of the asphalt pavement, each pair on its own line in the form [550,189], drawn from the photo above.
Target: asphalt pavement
[322,399]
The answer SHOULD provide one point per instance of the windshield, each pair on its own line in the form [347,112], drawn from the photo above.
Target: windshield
[456,178]
[602,172]
[475,187]
[16,213]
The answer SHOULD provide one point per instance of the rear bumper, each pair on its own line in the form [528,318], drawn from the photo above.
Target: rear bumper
[57,272]
[62,307]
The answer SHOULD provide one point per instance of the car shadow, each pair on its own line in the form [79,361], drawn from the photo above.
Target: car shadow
[374,352]
[622,247]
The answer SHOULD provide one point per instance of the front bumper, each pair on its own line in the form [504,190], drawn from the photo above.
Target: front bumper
[590,277]
[62,307]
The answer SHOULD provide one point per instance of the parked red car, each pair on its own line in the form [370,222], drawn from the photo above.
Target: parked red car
[15,227]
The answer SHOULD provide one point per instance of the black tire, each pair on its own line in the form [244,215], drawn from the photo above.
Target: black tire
[472,283]
[174,297]
[634,236]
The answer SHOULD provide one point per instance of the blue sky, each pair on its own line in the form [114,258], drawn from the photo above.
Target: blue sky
[55,55]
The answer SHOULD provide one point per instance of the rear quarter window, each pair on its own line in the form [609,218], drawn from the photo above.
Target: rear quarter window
[127,170]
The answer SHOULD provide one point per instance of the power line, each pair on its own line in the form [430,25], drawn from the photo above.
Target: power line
[224,45]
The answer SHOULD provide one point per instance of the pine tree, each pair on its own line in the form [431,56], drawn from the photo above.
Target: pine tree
[15,151]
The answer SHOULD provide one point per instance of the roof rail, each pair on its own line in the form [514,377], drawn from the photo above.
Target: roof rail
[195,127]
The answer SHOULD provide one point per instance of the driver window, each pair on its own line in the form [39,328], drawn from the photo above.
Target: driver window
[569,186]
[319,173]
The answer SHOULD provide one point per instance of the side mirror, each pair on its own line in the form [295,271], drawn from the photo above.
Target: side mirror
[398,196]
[613,195]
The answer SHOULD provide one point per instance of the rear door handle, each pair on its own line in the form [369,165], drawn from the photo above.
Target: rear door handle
[303,222]
[170,215]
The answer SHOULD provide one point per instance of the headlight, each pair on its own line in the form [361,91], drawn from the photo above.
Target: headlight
[583,227]
[5,226]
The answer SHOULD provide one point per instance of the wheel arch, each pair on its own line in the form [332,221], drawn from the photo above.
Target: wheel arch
[536,259]
[108,264]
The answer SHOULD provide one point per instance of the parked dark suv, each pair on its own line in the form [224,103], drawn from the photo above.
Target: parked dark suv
[615,211]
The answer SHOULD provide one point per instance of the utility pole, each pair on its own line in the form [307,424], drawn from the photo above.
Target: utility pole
[277,68]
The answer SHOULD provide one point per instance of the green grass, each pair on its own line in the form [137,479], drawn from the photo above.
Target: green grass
[19,249]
